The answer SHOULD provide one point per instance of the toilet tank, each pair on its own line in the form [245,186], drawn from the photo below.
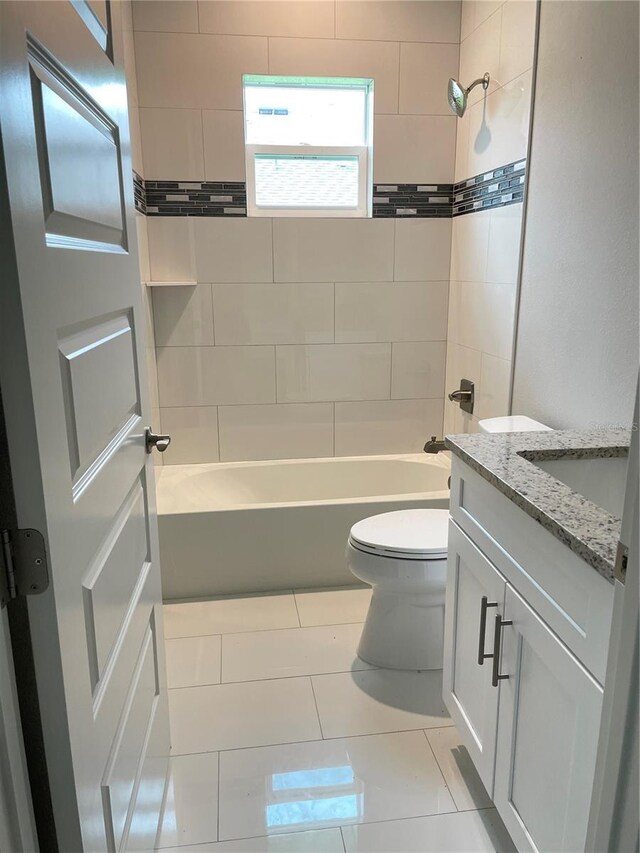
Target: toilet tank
[511,423]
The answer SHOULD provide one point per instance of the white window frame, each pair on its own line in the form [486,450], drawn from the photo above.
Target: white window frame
[364,153]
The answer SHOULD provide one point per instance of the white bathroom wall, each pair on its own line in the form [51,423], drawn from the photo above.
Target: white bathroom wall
[141,221]
[577,347]
[498,38]
[299,337]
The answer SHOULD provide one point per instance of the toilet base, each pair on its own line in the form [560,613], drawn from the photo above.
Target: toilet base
[403,632]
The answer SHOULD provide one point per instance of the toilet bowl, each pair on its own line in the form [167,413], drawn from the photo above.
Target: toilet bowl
[403,557]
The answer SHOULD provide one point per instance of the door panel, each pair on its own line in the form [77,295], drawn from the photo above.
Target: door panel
[468,694]
[549,713]
[71,366]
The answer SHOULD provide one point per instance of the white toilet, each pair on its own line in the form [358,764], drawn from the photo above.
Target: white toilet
[403,557]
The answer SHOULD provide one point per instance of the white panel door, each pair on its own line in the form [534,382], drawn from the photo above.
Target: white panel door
[549,715]
[475,595]
[71,371]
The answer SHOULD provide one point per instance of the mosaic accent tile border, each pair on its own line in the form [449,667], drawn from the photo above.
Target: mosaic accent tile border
[139,193]
[412,200]
[497,188]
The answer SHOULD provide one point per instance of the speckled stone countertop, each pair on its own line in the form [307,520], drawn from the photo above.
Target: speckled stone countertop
[504,460]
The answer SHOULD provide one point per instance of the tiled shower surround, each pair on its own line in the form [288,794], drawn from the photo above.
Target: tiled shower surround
[315,337]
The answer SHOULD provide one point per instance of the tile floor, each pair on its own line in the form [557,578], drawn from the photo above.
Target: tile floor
[283,741]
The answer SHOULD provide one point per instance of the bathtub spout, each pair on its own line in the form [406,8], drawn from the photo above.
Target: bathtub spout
[434,446]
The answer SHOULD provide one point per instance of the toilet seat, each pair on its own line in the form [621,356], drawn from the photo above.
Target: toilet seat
[412,534]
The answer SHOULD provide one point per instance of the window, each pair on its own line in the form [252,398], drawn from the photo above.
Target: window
[308,145]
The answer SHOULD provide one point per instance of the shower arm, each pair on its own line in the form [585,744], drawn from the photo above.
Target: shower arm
[481,81]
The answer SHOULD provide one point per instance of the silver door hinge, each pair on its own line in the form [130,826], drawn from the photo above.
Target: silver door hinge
[23,564]
[622,558]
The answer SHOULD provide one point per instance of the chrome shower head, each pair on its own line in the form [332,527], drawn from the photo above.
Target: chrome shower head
[457,94]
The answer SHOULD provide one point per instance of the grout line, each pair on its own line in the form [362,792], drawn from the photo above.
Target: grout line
[218,815]
[435,758]
[317,710]
[310,740]
[222,636]
[344,844]
[295,601]
[279,678]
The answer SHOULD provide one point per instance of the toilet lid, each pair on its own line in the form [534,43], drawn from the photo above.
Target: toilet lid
[411,533]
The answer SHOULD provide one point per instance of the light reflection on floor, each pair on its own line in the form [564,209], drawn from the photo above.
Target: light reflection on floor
[333,806]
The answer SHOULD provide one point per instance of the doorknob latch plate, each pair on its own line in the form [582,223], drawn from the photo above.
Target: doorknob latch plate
[23,564]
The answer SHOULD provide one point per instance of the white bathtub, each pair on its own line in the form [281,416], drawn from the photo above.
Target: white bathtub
[254,526]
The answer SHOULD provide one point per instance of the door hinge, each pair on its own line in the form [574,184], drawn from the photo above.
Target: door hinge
[23,564]
[622,558]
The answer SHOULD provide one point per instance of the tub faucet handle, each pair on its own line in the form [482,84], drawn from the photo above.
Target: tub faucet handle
[152,439]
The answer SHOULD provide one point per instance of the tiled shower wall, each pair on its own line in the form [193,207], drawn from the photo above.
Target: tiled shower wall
[320,337]
[498,38]
[301,337]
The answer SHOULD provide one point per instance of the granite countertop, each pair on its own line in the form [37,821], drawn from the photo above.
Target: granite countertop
[504,460]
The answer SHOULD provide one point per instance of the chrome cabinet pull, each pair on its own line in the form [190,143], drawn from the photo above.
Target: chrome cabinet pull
[151,440]
[497,634]
[484,605]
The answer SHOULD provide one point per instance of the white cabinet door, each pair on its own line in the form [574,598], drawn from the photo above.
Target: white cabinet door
[549,713]
[474,587]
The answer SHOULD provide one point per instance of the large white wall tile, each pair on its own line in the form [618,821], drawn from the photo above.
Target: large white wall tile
[470,246]
[206,376]
[493,393]
[333,250]
[303,18]
[414,149]
[461,171]
[505,232]
[396,311]
[194,435]
[171,248]
[330,58]
[172,144]
[499,128]
[405,20]
[230,250]
[480,53]
[417,369]
[183,316]
[518,39]
[273,313]
[333,372]
[387,426]
[481,316]
[171,16]
[424,73]
[468,18]
[293,431]
[224,145]
[422,249]
[196,71]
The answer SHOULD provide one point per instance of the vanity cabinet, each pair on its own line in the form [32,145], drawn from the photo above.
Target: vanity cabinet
[524,664]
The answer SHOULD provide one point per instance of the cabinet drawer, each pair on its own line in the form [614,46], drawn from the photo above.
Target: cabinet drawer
[569,595]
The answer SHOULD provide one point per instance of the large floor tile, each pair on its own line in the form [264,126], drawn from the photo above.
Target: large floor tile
[191,807]
[232,716]
[229,614]
[466,832]
[329,783]
[193,661]
[332,606]
[379,700]
[314,841]
[457,768]
[293,651]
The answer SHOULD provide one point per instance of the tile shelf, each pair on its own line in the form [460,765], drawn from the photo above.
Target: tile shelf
[170,283]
